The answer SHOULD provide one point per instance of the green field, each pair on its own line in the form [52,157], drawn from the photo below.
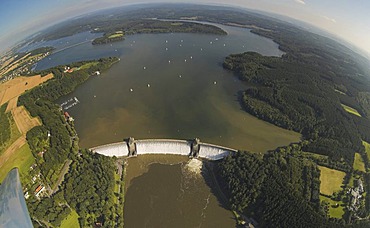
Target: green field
[5,125]
[14,135]
[22,159]
[88,65]
[351,110]
[314,155]
[358,163]
[334,212]
[331,180]
[116,186]
[177,24]
[367,149]
[71,221]
[116,35]
[9,131]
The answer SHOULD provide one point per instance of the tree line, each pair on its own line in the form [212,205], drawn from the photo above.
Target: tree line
[89,173]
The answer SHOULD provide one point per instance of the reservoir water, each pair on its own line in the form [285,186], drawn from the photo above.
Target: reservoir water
[169,86]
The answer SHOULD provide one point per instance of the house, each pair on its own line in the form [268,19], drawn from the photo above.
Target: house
[66,115]
[26,195]
[34,179]
[39,190]
[41,153]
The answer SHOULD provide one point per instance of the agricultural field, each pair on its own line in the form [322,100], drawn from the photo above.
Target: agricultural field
[367,149]
[21,158]
[15,87]
[23,119]
[336,209]
[358,163]
[331,180]
[12,104]
[351,110]
[70,221]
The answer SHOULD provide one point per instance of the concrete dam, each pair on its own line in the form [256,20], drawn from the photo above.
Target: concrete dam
[191,148]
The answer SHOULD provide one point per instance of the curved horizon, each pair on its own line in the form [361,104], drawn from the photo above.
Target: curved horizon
[346,21]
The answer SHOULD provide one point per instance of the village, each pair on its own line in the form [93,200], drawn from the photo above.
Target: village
[12,67]
[37,184]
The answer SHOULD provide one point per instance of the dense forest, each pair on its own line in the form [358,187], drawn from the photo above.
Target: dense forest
[294,95]
[109,38]
[151,26]
[87,189]
[279,189]
[308,89]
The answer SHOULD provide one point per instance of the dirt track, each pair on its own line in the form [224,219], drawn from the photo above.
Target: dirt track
[12,104]
[23,119]
[12,149]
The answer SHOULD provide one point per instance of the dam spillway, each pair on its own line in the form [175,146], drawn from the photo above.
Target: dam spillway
[180,147]
[164,146]
[115,149]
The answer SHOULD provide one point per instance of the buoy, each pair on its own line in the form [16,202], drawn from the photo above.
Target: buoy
[144,68]
[148,85]
[185,60]
[191,57]
[169,61]
[224,45]
[180,76]
[215,82]
[131,90]
[166,41]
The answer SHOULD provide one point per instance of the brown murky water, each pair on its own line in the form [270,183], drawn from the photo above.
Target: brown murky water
[162,192]
[180,92]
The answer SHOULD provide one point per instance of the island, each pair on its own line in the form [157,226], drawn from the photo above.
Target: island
[109,38]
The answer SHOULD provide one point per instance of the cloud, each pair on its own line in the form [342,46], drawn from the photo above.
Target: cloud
[329,19]
[300,2]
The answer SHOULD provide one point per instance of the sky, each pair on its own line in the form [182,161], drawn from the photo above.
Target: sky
[347,19]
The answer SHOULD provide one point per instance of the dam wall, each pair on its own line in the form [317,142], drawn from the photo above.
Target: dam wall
[115,149]
[212,152]
[164,146]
